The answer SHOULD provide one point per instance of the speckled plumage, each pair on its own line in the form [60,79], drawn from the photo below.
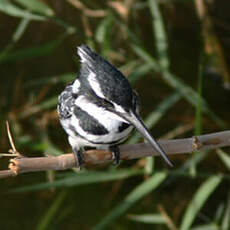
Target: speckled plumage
[102,126]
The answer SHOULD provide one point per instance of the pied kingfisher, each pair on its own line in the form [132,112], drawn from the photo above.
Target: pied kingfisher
[99,108]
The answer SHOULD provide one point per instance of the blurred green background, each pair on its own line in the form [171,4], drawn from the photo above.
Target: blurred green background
[175,54]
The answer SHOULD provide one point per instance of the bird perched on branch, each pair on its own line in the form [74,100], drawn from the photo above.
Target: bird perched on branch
[99,109]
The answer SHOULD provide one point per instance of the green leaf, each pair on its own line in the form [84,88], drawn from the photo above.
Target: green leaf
[103,34]
[160,34]
[32,52]
[194,159]
[21,28]
[146,57]
[37,6]
[103,29]
[149,165]
[83,178]
[139,192]
[49,215]
[226,218]
[198,201]
[186,91]
[14,11]
[219,212]
[139,72]
[206,227]
[224,157]
[148,218]
[62,78]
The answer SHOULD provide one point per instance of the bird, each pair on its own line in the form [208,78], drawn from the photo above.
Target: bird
[99,108]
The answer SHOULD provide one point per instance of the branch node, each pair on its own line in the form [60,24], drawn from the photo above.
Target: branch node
[15,153]
[13,167]
[48,154]
[196,143]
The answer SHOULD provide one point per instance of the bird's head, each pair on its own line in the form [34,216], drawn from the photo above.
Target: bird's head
[104,79]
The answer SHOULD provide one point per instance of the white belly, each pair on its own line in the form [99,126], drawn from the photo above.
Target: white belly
[86,139]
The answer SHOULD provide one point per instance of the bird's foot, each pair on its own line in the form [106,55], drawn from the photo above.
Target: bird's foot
[116,154]
[79,158]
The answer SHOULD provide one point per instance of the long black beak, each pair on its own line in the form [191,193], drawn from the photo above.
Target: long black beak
[137,122]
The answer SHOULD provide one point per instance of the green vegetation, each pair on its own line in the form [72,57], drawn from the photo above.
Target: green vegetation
[179,68]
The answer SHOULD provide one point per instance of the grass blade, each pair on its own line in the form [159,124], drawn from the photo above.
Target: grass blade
[148,218]
[37,6]
[149,165]
[12,10]
[139,72]
[186,91]
[224,157]
[34,52]
[226,218]
[62,78]
[49,215]
[140,191]
[160,34]
[206,227]
[83,178]
[21,28]
[103,33]
[198,201]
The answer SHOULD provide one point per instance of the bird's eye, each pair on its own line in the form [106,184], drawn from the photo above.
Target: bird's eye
[136,102]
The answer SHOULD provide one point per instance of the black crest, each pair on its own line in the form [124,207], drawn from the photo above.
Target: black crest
[114,86]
